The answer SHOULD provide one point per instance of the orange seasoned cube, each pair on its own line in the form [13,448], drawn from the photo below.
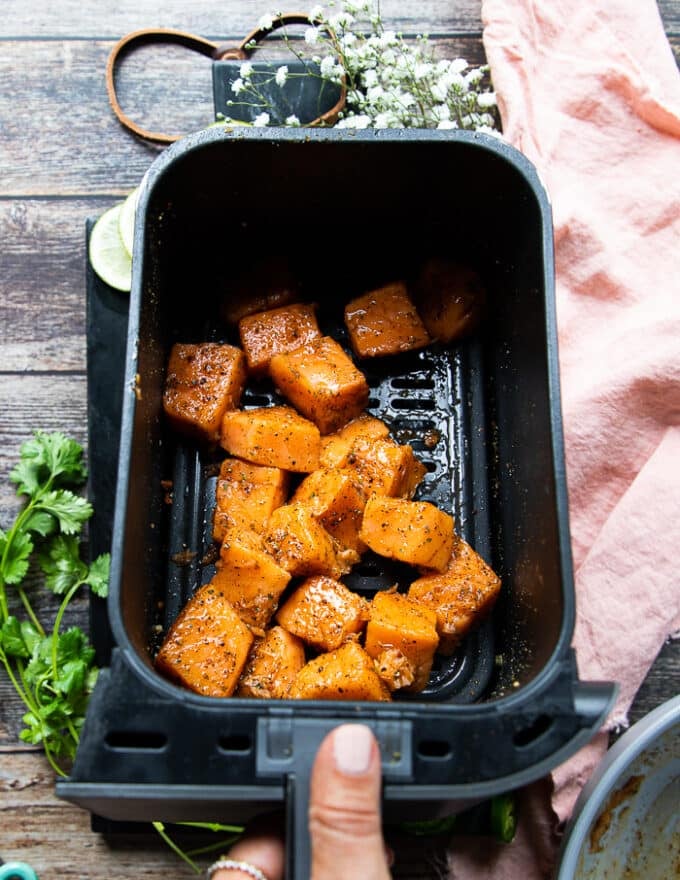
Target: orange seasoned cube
[337,501]
[461,597]
[384,321]
[336,447]
[301,545]
[249,577]
[323,613]
[451,299]
[383,467]
[415,532]
[275,436]
[398,623]
[322,382]
[246,495]
[276,331]
[273,663]
[262,284]
[395,669]
[345,674]
[202,382]
[207,646]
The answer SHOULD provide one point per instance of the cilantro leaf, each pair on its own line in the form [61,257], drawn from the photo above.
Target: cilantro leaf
[12,640]
[71,680]
[30,635]
[40,521]
[38,669]
[70,510]
[27,476]
[48,456]
[60,561]
[98,575]
[15,551]
[74,645]
[33,731]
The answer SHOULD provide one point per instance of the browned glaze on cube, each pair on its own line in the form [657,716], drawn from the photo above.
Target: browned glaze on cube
[384,321]
[202,382]
[276,331]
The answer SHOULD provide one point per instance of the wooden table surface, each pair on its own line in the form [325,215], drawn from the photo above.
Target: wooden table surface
[64,158]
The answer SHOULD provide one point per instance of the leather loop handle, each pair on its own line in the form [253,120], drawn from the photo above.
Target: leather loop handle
[144,38]
[215,51]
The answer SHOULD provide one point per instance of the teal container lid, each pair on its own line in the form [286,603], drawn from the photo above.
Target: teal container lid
[17,871]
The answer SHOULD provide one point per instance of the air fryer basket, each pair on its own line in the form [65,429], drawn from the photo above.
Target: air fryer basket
[349,211]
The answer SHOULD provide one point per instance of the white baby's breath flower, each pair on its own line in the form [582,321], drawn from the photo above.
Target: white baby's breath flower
[440,90]
[327,66]
[391,83]
[360,121]
[423,70]
[494,131]
[341,21]
[474,76]
[456,83]
[441,112]
[486,100]
[375,93]
[281,75]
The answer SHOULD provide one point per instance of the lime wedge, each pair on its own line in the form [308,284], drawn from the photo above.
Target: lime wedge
[107,253]
[126,220]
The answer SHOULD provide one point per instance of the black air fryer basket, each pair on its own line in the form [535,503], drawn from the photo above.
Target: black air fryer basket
[349,211]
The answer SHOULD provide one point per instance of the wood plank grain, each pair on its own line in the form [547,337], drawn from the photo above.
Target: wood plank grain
[661,682]
[234,17]
[53,145]
[42,283]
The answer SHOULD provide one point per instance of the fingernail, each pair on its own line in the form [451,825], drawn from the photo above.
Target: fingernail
[352,749]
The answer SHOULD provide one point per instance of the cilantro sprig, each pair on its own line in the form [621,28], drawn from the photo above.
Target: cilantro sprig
[53,672]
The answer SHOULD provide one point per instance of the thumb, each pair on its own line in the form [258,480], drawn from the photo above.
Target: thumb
[344,807]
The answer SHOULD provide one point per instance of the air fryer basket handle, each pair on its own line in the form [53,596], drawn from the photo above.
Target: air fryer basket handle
[287,747]
[298,841]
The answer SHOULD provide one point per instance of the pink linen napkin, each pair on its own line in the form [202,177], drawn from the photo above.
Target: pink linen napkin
[589,91]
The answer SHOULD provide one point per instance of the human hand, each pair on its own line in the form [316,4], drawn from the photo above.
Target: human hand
[344,817]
